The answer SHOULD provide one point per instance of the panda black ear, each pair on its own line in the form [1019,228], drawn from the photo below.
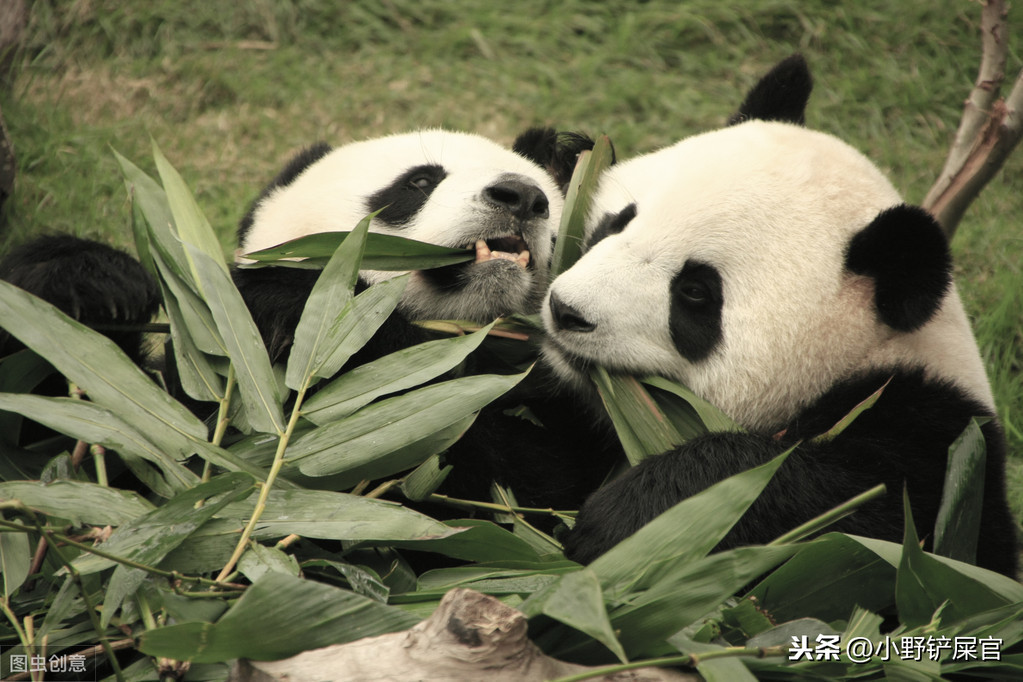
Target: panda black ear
[781,95]
[905,252]
[556,151]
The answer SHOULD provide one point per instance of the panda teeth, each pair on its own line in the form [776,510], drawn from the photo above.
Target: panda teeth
[484,253]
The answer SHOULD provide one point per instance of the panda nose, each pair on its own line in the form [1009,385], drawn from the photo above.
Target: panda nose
[566,318]
[523,200]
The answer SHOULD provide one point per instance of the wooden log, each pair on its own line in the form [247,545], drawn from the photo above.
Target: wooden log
[471,636]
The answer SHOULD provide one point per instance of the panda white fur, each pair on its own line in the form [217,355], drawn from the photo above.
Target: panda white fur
[777,273]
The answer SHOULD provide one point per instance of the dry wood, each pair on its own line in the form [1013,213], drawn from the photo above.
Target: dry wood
[471,637]
[989,130]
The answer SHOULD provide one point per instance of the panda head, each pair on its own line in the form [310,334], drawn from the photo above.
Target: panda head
[453,189]
[758,265]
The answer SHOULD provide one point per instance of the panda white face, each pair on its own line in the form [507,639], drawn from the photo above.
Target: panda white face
[723,262]
[453,189]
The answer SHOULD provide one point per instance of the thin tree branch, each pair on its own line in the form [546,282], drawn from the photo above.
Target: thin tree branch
[988,131]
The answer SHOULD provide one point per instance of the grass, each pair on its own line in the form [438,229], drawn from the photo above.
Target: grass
[229,90]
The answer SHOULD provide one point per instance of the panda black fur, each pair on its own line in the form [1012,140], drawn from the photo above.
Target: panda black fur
[777,273]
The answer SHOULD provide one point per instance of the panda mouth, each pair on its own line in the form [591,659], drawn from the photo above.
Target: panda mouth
[513,249]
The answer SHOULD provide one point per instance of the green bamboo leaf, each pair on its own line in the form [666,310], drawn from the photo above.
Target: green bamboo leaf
[800,589]
[686,532]
[848,419]
[577,601]
[642,427]
[96,364]
[148,538]
[395,457]
[93,424]
[957,528]
[715,670]
[581,188]
[355,326]
[354,444]
[477,540]
[259,560]
[924,584]
[305,615]
[392,373]
[1003,587]
[189,220]
[328,299]
[15,561]
[20,372]
[79,502]
[645,620]
[687,594]
[150,200]
[425,479]
[713,419]
[382,252]
[257,385]
[335,516]
[60,608]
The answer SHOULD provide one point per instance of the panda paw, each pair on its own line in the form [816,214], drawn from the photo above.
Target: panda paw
[89,281]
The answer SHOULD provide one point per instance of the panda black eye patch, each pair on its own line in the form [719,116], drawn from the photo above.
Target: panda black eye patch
[610,223]
[406,196]
[695,315]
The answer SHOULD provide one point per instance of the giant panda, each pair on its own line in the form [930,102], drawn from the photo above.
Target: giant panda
[453,189]
[776,272]
[450,188]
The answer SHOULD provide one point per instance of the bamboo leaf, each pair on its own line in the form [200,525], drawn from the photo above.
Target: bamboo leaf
[395,372]
[147,539]
[477,540]
[848,419]
[78,501]
[149,199]
[581,188]
[257,385]
[642,427]
[577,601]
[305,615]
[924,584]
[181,293]
[335,516]
[957,528]
[15,561]
[715,670]
[686,532]
[259,560]
[93,424]
[799,589]
[713,419]
[329,297]
[95,363]
[189,220]
[425,480]
[354,444]
[356,325]
[382,252]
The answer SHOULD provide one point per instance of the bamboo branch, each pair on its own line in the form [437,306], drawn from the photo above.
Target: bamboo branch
[989,130]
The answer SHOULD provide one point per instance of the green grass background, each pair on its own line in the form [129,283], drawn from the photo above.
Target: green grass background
[230,89]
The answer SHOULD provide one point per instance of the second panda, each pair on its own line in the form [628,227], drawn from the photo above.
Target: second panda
[778,274]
